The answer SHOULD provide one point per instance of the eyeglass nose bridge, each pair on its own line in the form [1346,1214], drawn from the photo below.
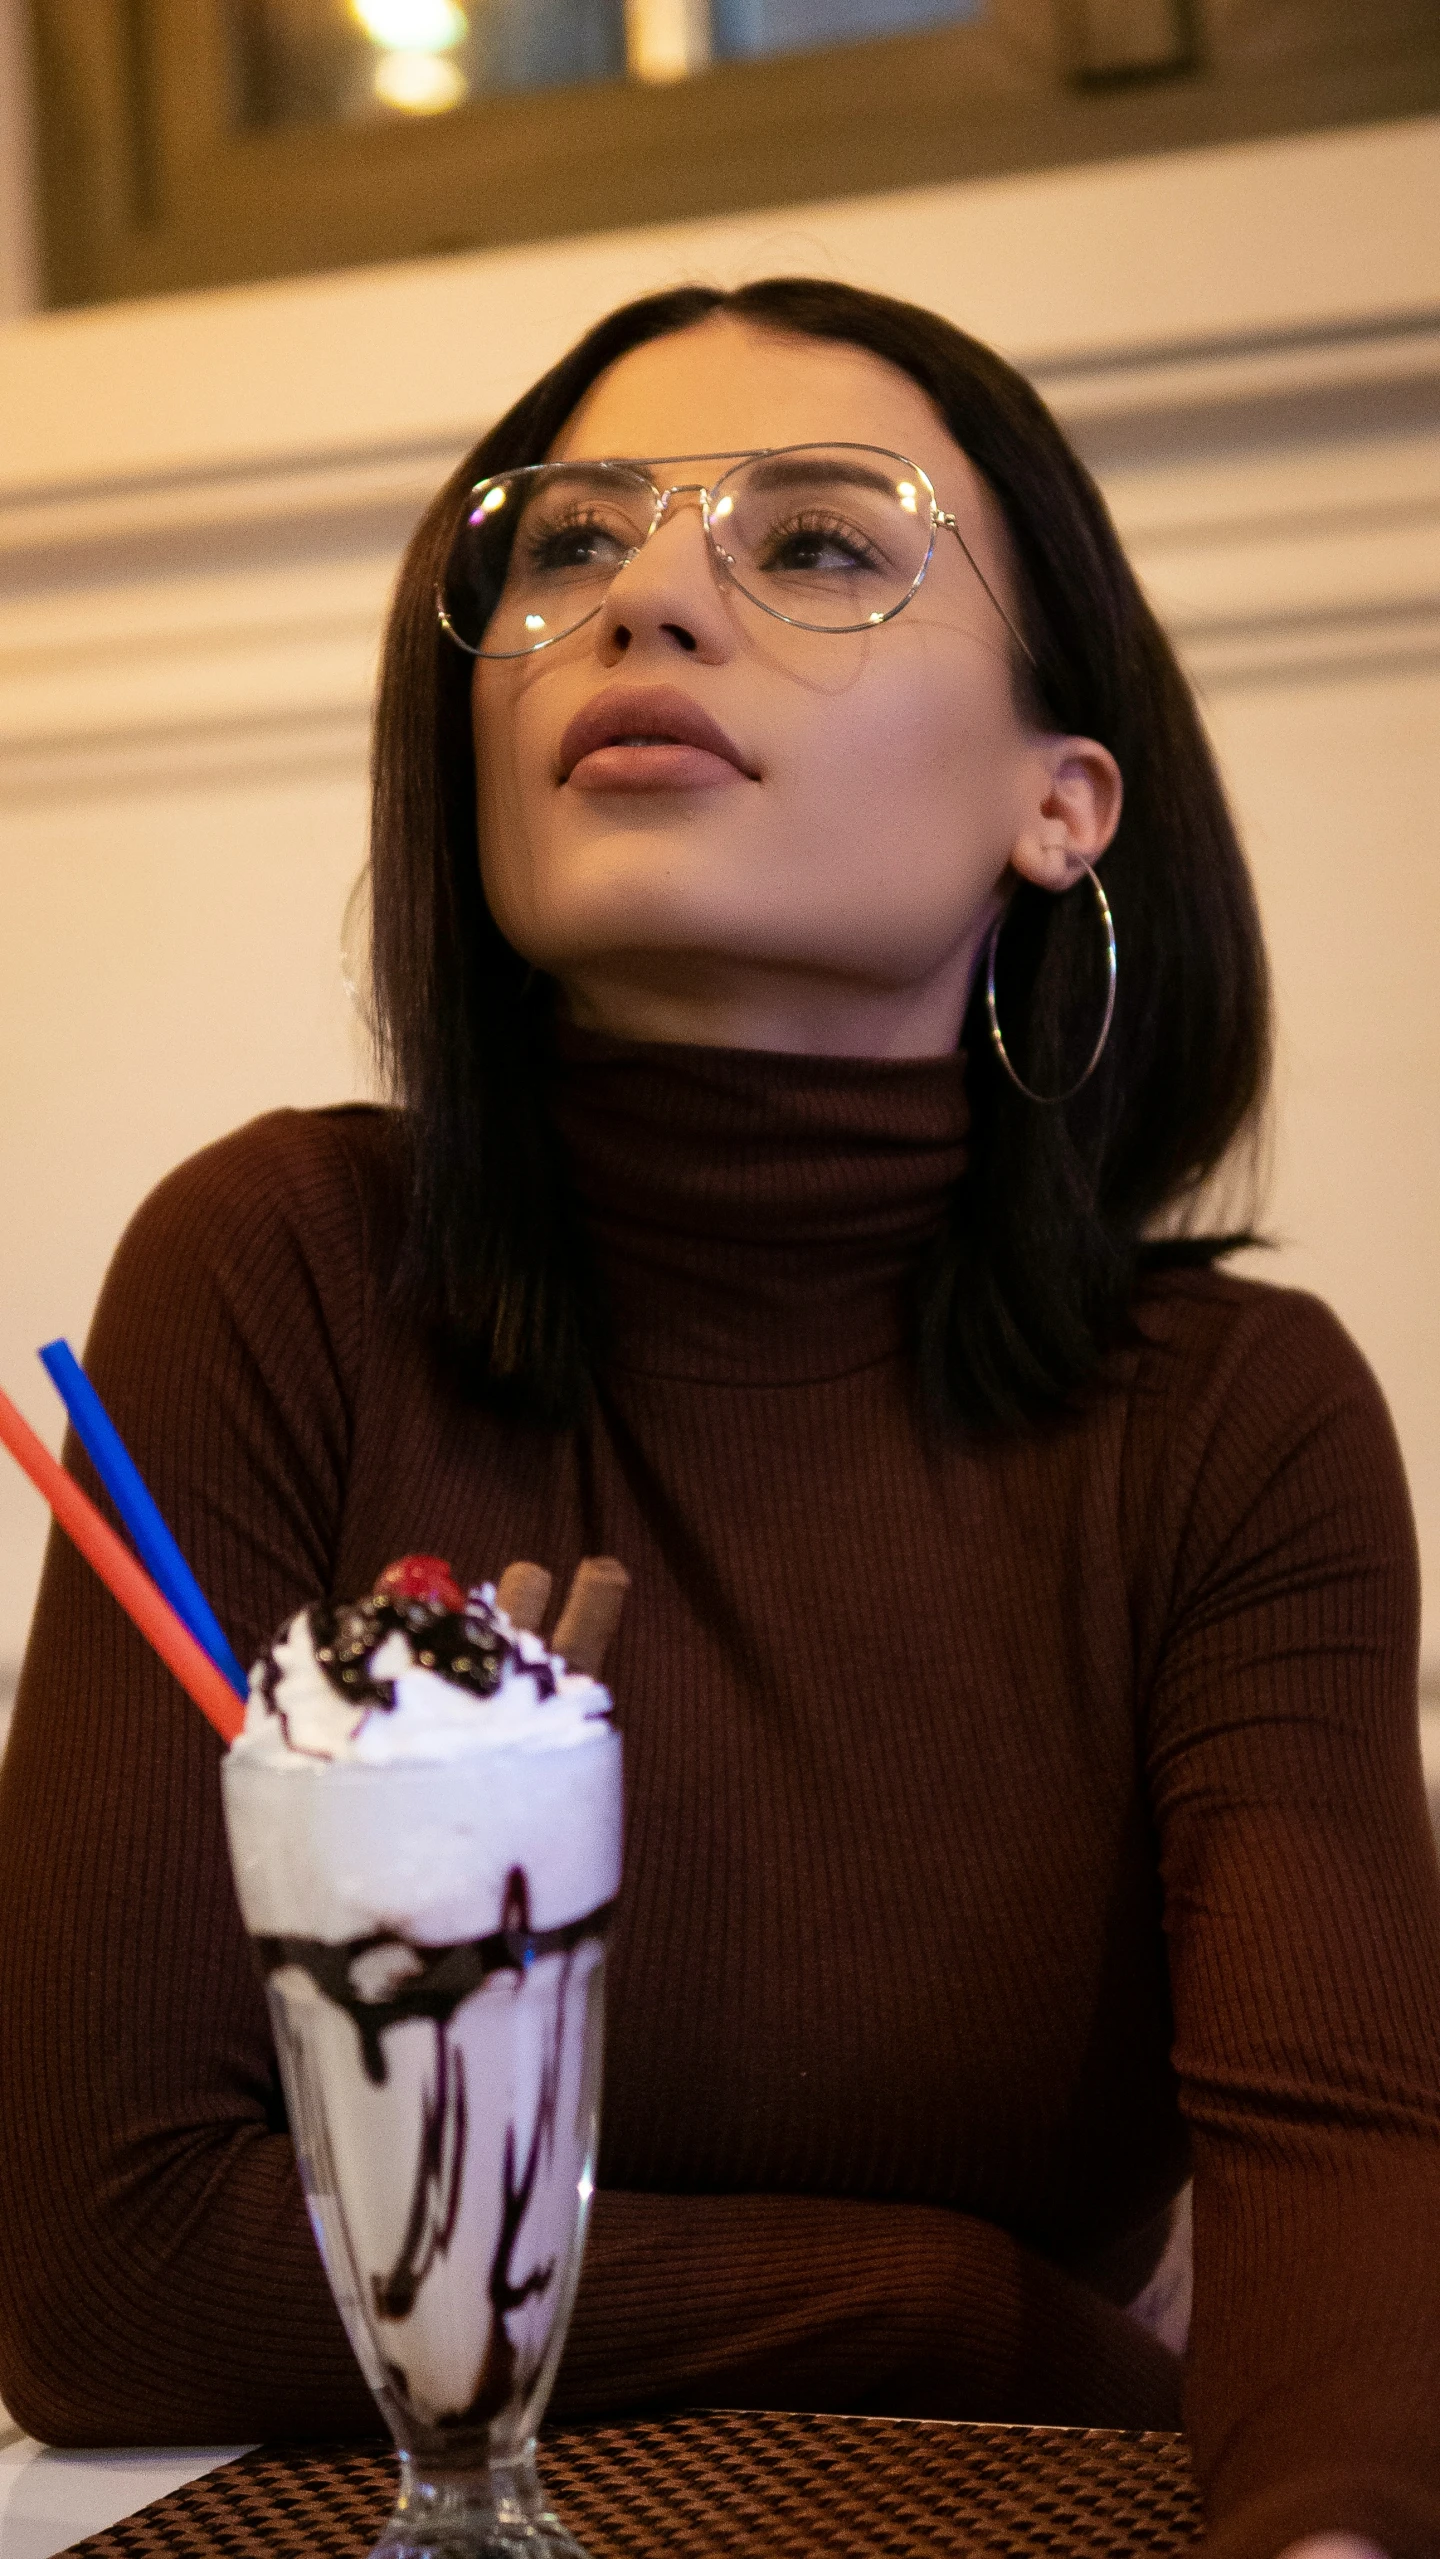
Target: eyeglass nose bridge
[676,489]
[679,489]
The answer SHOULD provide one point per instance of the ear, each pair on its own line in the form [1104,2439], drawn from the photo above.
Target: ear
[1079,794]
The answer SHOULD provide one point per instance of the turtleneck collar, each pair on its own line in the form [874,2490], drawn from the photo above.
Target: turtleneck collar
[756,1217]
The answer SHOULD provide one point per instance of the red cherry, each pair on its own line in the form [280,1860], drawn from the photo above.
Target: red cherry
[426,1578]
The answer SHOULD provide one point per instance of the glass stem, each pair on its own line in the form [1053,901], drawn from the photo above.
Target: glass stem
[462,2511]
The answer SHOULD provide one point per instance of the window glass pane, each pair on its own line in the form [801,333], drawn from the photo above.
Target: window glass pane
[343,61]
[795,26]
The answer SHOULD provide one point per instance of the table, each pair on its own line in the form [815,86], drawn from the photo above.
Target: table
[49,2500]
[718,2484]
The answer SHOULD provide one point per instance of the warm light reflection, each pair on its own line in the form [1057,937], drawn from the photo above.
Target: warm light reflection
[422,84]
[413,26]
[908,495]
[666,39]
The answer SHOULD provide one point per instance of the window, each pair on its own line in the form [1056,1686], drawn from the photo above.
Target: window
[353,61]
[191,142]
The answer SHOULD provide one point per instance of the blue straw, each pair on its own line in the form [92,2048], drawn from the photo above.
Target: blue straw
[128,1491]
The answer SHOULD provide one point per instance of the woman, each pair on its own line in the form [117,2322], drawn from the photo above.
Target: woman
[1019,1688]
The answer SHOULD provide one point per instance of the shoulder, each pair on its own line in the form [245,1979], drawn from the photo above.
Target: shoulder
[324,1186]
[1205,1338]
[305,1166]
[282,1231]
[1253,1416]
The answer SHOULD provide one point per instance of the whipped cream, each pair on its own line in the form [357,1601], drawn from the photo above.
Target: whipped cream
[404,1754]
[392,1680]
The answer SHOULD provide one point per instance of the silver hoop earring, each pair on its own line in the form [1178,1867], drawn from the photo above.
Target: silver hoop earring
[1049,1101]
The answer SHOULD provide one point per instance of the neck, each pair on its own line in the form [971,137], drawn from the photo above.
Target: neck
[752,1216]
[693,1001]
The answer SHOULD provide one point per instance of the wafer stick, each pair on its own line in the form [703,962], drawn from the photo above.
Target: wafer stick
[524,1594]
[591,1613]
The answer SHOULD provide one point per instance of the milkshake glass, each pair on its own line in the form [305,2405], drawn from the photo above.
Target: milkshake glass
[430,1923]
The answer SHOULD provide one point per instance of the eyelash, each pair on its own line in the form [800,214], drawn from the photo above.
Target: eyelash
[574,521]
[815,523]
[812,522]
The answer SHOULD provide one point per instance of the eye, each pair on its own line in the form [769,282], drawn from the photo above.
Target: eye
[813,543]
[578,540]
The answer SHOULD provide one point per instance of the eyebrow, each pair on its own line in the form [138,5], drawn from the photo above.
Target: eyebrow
[772,467]
[785,470]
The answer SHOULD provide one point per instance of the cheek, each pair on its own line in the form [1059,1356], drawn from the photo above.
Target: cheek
[918,757]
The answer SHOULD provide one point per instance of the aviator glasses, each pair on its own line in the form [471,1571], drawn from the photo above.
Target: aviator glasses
[826,537]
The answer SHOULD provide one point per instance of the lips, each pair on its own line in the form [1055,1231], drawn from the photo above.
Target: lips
[648,737]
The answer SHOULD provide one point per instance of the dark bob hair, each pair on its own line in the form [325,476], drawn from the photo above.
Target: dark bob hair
[1061,1209]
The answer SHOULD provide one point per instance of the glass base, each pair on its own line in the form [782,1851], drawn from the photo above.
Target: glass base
[498,2511]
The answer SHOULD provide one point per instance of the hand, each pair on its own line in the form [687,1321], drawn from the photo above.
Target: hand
[1333,2545]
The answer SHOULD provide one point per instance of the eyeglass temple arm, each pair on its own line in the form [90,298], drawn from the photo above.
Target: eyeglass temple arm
[1017,636]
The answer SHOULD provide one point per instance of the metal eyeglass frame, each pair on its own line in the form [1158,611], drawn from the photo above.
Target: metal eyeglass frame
[939,522]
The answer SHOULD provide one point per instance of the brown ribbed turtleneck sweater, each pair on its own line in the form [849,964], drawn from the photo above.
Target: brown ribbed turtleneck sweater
[1010,1828]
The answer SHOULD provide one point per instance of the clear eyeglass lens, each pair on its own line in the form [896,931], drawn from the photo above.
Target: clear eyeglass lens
[828,538]
[536,552]
[831,539]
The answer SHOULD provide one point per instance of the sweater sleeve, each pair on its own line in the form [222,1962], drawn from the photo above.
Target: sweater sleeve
[158,2281]
[1303,1916]
[850,2307]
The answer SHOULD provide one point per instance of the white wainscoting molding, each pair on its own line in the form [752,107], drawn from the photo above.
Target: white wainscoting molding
[1280,497]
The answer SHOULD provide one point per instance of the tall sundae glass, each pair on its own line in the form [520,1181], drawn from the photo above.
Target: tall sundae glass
[424,1820]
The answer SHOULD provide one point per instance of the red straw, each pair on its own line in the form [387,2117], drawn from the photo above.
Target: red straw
[121,1574]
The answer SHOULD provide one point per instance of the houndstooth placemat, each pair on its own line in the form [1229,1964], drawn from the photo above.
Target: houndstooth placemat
[719,2484]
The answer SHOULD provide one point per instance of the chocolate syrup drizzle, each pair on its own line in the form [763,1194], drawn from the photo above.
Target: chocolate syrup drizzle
[465,1646]
[436,1978]
[439,2176]
[432,1984]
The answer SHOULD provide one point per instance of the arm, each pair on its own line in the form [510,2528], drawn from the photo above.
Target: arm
[1303,1914]
[157,2276]
[824,2302]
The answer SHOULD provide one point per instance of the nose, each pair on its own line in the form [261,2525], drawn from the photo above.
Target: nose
[668,596]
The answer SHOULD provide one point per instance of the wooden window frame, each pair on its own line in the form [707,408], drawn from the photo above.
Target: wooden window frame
[146,188]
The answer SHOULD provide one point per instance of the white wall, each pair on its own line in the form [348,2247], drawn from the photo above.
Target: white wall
[202,501]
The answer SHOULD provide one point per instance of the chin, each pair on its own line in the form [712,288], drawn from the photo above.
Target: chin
[637,902]
[631,896]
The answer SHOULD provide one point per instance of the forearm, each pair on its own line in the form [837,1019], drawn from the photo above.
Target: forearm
[179,2301]
[813,2302]
[1337,2441]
